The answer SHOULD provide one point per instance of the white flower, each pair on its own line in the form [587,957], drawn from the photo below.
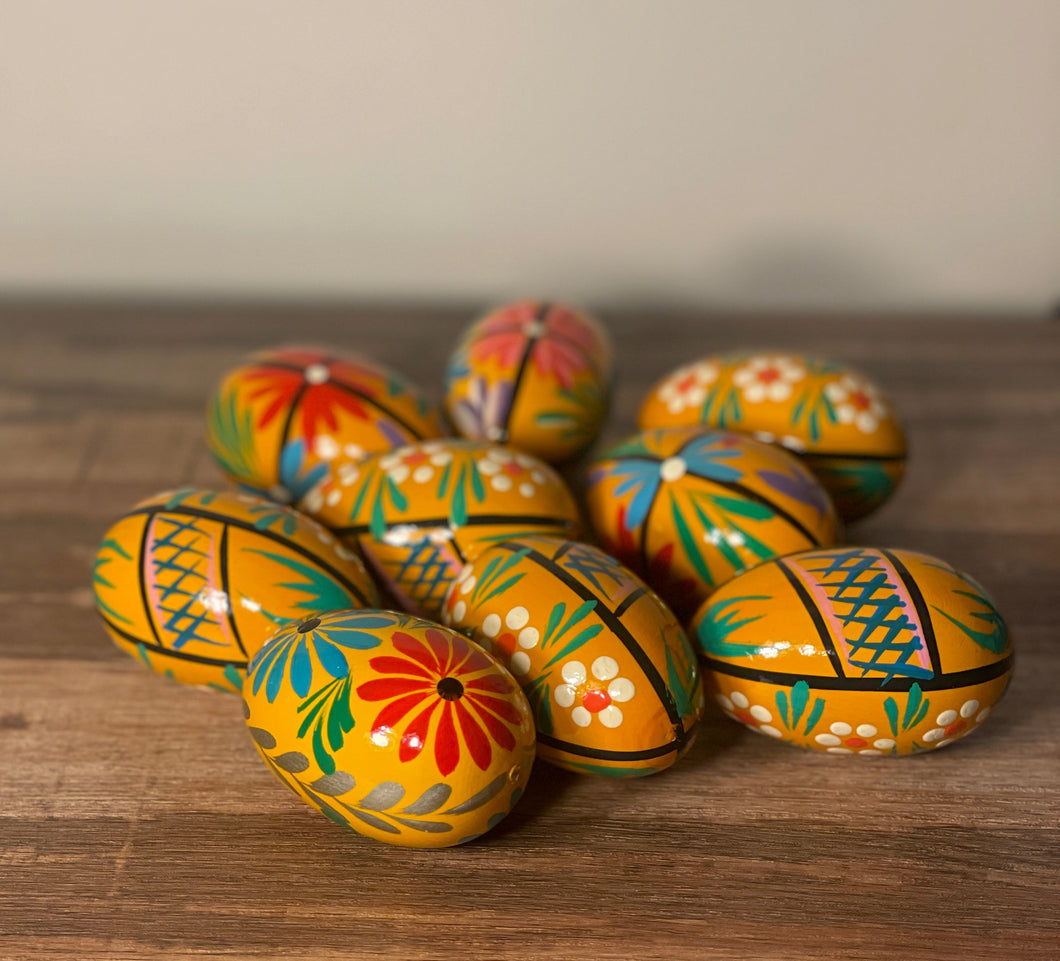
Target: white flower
[597,694]
[687,386]
[856,402]
[507,469]
[757,718]
[768,377]
[842,738]
[955,724]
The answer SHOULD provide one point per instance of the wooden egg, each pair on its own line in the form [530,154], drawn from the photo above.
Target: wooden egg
[856,650]
[277,423]
[421,512]
[835,418]
[688,508]
[611,677]
[534,375]
[192,582]
[401,729]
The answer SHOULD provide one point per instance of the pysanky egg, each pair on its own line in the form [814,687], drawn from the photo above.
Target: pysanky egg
[398,728]
[856,650]
[839,422]
[611,676]
[688,508]
[193,582]
[534,375]
[421,512]
[278,422]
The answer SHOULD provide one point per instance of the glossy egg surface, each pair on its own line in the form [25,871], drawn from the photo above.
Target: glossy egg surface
[421,512]
[856,650]
[688,508]
[534,375]
[401,729]
[833,416]
[192,582]
[610,674]
[278,422]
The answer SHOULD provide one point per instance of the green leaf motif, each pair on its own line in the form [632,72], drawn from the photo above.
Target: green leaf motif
[322,592]
[721,620]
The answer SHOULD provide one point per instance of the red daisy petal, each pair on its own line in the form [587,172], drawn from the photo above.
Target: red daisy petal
[497,730]
[395,711]
[492,682]
[446,745]
[398,665]
[410,647]
[385,687]
[475,661]
[478,744]
[415,737]
[443,650]
[499,706]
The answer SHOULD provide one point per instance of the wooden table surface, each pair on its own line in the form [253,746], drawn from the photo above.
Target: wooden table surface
[136,821]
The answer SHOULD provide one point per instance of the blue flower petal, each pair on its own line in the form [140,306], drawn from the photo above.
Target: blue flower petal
[301,668]
[330,657]
[291,458]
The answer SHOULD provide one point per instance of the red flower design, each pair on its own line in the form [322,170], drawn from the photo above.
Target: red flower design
[562,342]
[324,384]
[447,673]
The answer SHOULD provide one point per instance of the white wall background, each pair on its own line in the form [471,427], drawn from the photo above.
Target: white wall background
[759,153]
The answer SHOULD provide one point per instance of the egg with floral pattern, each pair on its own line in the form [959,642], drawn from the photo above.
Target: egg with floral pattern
[279,422]
[398,728]
[611,676]
[856,650]
[421,512]
[192,582]
[834,417]
[688,508]
[534,375]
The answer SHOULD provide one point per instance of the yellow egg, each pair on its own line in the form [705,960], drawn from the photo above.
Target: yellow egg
[534,375]
[834,417]
[688,508]
[611,677]
[192,582]
[276,423]
[421,512]
[401,729]
[856,650]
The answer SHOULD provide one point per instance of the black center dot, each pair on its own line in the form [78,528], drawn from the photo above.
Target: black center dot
[450,688]
[306,626]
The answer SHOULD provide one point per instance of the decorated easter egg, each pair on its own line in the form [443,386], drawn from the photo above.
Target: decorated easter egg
[398,728]
[856,650]
[834,417]
[610,674]
[688,508]
[534,375]
[278,422]
[192,582]
[421,512]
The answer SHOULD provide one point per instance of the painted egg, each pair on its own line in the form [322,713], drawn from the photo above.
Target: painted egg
[834,417]
[192,582]
[278,422]
[856,650]
[688,508]
[421,512]
[610,675]
[534,375]
[401,729]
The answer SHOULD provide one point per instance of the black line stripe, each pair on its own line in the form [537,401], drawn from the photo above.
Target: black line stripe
[148,610]
[190,511]
[630,600]
[944,683]
[815,615]
[520,373]
[582,751]
[348,389]
[168,651]
[618,629]
[736,489]
[823,455]
[927,629]
[222,563]
[288,420]
[477,520]
[563,548]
